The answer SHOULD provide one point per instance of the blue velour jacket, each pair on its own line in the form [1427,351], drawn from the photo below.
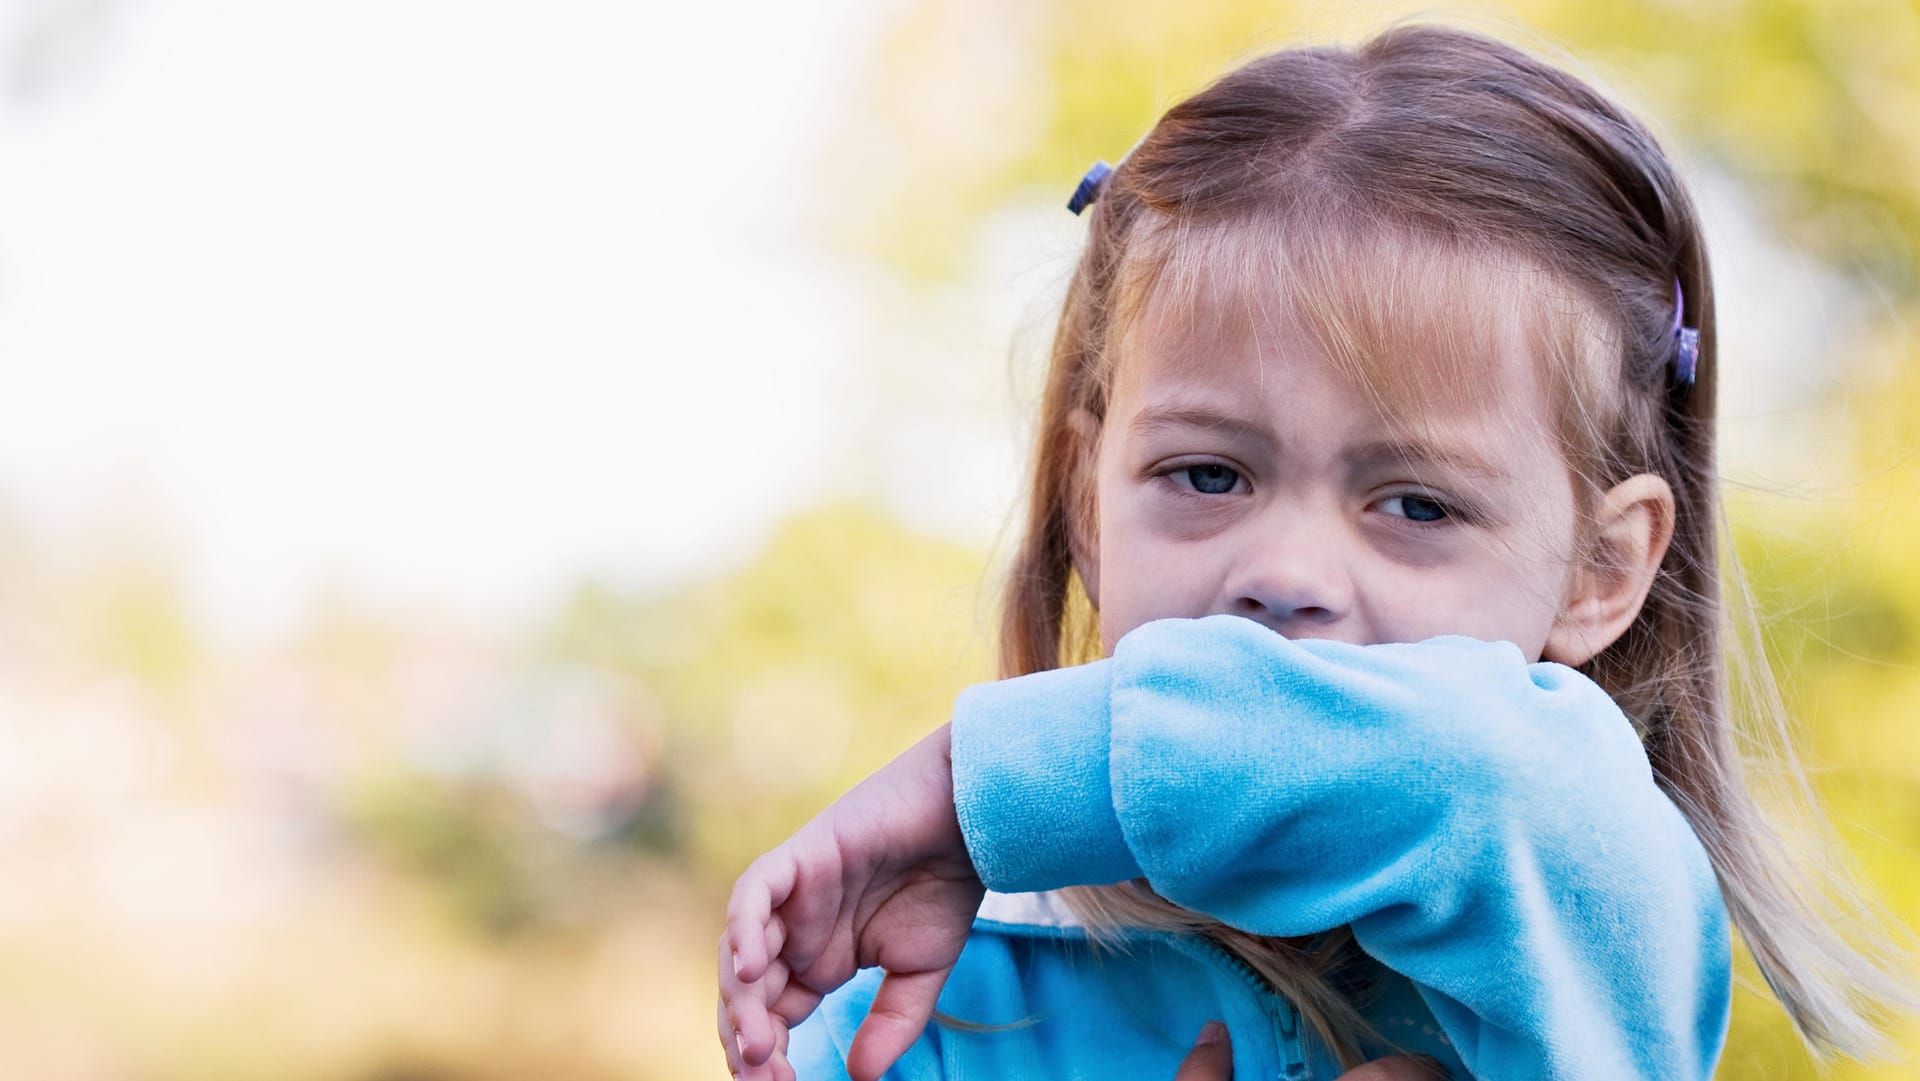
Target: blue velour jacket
[1489,828]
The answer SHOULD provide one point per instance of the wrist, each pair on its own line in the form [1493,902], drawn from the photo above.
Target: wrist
[1031,781]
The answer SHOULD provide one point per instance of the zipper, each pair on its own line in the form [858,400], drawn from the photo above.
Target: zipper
[1287,1035]
[1285,1019]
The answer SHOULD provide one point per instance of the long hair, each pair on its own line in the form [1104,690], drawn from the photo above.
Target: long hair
[1440,148]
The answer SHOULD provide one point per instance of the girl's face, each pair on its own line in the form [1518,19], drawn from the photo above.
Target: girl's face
[1241,470]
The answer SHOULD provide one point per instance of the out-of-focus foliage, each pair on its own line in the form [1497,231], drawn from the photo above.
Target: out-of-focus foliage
[1836,592]
[1811,104]
[394,847]
[787,681]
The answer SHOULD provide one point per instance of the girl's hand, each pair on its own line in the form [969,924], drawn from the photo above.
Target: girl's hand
[882,877]
[1211,1058]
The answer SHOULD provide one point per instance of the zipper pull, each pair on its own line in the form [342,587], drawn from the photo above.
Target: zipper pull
[1286,1036]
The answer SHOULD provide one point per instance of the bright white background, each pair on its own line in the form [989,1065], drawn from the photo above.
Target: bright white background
[459,303]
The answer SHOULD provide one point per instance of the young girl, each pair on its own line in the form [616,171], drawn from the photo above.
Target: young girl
[1379,437]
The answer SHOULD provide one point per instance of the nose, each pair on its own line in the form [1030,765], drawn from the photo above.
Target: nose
[1294,576]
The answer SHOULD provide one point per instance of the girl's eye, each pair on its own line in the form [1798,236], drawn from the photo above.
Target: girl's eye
[1209,479]
[1415,508]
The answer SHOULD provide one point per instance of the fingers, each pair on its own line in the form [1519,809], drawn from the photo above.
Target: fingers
[1211,1058]
[791,1006]
[795,1004]
[737,1004]
[757,1028]
[901,1008]
[776,936]
[748,1030]
[782,1069]
[774,1068]
[729,1041]
[749,957]
[764,887]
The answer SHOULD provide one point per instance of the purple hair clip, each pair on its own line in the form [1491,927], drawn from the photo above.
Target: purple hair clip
[1686,355]
[1089,188]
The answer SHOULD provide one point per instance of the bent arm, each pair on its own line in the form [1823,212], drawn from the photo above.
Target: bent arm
[1490,829]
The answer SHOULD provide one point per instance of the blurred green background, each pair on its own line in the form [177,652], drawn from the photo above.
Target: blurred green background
[614,589]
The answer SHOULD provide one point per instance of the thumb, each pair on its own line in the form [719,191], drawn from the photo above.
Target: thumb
[900,1011]
[1211,1058]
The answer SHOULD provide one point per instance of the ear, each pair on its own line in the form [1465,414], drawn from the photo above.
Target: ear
[1632,525]
[1083,527]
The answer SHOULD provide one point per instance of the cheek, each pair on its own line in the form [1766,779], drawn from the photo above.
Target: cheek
[1145,575]
[1493,600]
[1521,586]
[1126,588]
[1505,585]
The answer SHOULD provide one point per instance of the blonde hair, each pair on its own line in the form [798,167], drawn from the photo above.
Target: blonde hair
[1447,143]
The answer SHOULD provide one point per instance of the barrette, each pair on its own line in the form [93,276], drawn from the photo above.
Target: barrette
[1686,340]
[1089,188]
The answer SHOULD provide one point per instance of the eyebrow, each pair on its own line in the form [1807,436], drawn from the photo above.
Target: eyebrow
[1410,452]
[1425,452]
[1160,418]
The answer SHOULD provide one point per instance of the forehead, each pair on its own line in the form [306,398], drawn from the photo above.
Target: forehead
[1426,333]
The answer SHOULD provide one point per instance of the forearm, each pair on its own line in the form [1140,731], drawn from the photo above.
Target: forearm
[1469,815]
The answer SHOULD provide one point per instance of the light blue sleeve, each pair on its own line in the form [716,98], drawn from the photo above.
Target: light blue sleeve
[1490,828]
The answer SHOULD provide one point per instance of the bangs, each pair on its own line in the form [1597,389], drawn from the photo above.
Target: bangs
[1425,324]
